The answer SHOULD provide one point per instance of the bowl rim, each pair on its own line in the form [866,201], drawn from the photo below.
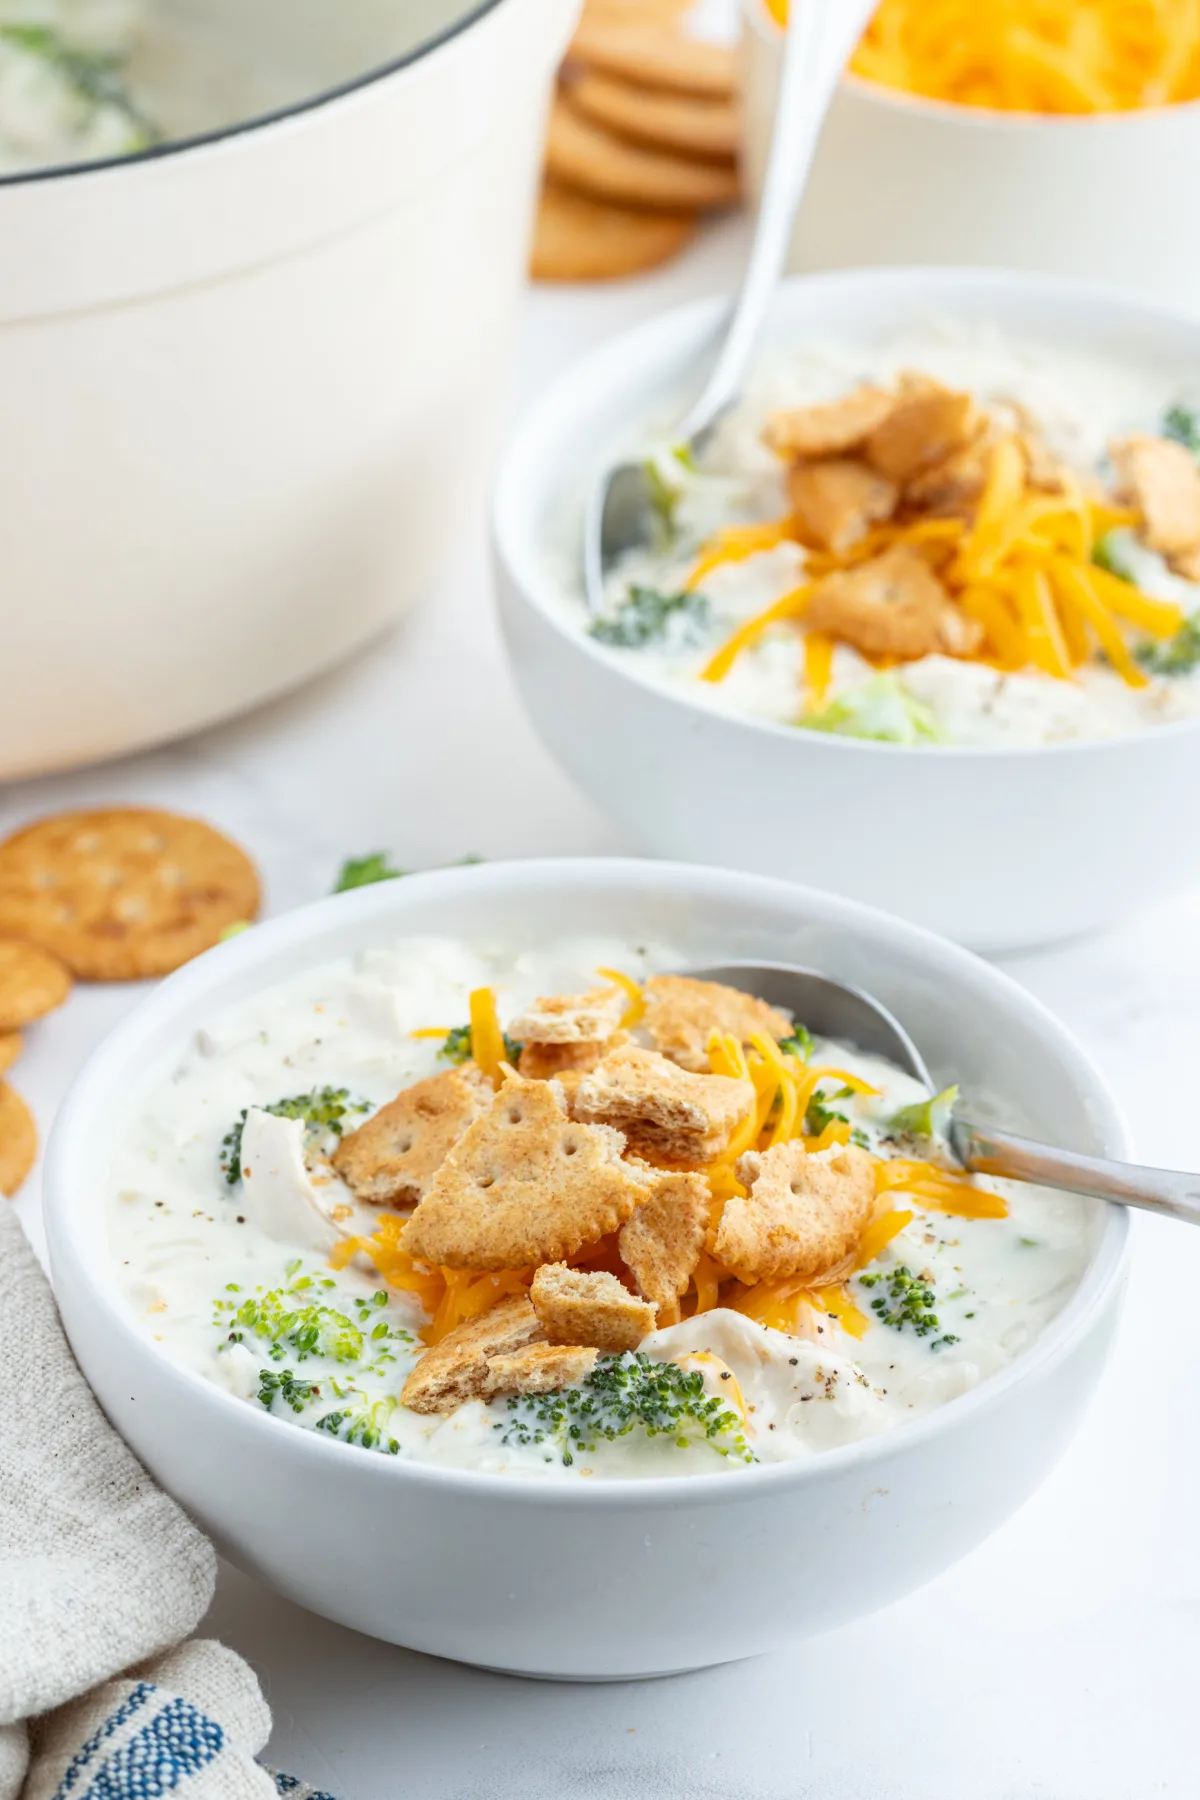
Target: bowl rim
[68,1187]
[473,12]
[768,31]
[518,476]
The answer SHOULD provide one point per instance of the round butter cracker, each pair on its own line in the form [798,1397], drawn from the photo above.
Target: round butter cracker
[126,893]
[32,982]
[10,1049]
[655,56]
[18,1140]
[580,239]
[582,155]
[677,122]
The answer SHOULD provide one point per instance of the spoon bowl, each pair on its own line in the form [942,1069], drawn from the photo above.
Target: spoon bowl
[835,1009]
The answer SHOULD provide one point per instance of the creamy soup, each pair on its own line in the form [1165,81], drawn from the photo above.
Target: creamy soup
[245,1256]
[86,80]
[1069,613]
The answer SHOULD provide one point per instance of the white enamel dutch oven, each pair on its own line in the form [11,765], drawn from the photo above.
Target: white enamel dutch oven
[248,380]
[1001,849]
[899,178]
[597,1580]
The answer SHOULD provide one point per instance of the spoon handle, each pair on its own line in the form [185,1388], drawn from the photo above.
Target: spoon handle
[820,37]
[987,1152]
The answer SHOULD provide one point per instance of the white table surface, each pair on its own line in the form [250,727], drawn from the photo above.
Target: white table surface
[1060,1659]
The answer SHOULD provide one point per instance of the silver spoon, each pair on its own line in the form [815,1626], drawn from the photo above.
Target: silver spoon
[834,1009]
[821,34]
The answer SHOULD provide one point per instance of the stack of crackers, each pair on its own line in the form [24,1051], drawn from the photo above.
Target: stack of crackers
[643,139]
[113,895]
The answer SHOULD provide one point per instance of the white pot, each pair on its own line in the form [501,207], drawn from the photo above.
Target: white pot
[902,179]
[599,1579]
[1003,849]
[248,389]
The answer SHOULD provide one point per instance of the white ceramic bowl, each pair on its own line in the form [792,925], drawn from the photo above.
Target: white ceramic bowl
[902,179]
[621,1578]
[249,381]
[1001,849]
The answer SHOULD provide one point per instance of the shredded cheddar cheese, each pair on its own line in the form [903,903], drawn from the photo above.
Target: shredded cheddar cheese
[1035,56]
[637,1002]
[487,1039]
[1021,568]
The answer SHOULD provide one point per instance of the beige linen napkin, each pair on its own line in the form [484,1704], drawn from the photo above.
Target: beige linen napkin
[101,1577]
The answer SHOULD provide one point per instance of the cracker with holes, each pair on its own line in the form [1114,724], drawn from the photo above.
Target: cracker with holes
[391,1160]
[664,1111]
[570,1018]
[122,894]
[838,501]
[544,1062]
[32,983]
[926,425]
[539,1369]
[456,1369]
[893,605]
[661,1244]
[1162,480]
[595,1309]
[682,1014]
[527,1184]
[803,1214]
[830,428]
[18,1140]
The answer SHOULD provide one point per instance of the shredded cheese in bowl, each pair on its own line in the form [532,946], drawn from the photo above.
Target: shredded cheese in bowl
[925,552]
[1034,56]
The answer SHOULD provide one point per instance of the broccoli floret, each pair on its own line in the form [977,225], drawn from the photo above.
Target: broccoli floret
[106,121]
[291,1389]
[881,710]
[457,1048]
[362,1424]
[304,1330]
[623,1394]
[1106,554]
[325,1111]
[819,1116]
[1181,424]
[906,1300]
[1180,655]
[647,615]
[800,1043]
[925,1118]
[362,871]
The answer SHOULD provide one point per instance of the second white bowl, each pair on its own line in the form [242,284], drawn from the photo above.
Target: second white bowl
[1001,849]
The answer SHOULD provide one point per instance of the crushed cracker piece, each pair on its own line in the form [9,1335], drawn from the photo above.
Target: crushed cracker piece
[570,1018]
[525,1185]
[893,605]
[682,1013]
[456,1369]
[663,1110]
[829,428]
[596,1309]
[539,1369]
[925,426]
[1162,480]
[803,1214]
[393,1157]
[661,1244]
[837,502]
[541,1062]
